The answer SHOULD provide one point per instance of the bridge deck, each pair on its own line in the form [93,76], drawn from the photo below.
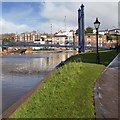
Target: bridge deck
[30,44]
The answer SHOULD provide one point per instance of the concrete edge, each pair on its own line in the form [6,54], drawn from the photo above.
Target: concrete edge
[110,63]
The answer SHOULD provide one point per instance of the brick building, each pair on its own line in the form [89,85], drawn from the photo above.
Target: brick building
[103,41]
[90,40]
[27,37]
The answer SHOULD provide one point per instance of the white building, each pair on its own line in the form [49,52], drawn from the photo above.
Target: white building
[114,32]
[63,37]
[39,41]
[100,32]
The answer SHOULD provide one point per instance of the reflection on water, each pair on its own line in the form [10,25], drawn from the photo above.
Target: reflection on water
[21,72]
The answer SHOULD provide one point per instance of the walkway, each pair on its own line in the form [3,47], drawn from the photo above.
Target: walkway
[106,91]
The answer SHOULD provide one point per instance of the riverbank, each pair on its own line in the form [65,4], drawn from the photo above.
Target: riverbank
[62,96]
[8,52]
[7,113]
[20,73]
[61,92]
[68,92]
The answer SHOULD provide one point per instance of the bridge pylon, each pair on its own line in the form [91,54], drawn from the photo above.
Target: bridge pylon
[81,40]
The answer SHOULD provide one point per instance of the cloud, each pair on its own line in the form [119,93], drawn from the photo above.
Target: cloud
[56,26]
[106,12]
[59,1]
[9,27]
[54,13]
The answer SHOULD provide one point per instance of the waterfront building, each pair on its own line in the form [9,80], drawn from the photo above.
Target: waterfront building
[38,41]
[27,36]
[101,32]
[64,38]
[103,40]
[90,40]
[106,38]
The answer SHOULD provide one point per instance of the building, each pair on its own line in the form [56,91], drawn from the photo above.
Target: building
[114,31]
[64,38]
[115,34]
[103,40]
[60,38]
[27,36]
[39,41]
[90,40]
[101,32]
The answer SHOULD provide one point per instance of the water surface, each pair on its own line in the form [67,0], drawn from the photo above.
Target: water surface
[20,73]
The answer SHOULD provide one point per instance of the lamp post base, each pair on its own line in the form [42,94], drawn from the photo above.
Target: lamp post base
[79,50]
[98,59]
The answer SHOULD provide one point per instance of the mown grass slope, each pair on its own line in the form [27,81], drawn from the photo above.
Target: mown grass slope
[68,92]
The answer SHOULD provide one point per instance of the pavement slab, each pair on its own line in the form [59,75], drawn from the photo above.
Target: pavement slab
[106,93]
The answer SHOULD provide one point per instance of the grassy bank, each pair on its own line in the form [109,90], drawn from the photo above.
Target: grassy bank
[68,92]
[106,56]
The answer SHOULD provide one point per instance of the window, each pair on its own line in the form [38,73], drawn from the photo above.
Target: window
[88,39]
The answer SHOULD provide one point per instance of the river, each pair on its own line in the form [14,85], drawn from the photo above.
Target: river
[20,73]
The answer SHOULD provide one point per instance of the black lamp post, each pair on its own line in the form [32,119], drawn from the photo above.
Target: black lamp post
[97,24]
[116,31]
[24,36]
[73,38]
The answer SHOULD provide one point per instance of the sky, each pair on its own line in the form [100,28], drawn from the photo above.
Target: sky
[17,17]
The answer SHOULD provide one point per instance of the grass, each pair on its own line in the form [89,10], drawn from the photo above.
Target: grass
[106,56]
[68,92]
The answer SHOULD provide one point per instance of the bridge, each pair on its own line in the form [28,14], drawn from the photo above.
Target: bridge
[31,44]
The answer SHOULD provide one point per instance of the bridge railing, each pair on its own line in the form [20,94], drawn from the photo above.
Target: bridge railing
[31,44]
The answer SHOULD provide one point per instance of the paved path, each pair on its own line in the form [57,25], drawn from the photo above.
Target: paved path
[106,91]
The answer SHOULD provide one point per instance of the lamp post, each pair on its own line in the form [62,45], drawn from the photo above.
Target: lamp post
[24,36]
[97,24]
[73,38]
[116,31]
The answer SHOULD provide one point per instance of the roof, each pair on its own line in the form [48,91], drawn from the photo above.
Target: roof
[114,31]
[91,34]
[60,35]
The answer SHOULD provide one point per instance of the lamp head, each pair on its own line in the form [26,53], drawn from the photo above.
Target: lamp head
[96,24]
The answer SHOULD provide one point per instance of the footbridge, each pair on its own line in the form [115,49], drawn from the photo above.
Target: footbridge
[31,44]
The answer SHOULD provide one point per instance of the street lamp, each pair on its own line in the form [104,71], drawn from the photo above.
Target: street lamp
[97,24]
[116,31]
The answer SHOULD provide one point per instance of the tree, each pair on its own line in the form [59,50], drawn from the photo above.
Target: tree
[8,37]
[109,37]
[89,30]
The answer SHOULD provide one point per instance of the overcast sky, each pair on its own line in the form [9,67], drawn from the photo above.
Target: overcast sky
[27,16]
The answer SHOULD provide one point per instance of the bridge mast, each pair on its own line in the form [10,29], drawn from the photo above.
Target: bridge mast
[51,32]
[79,29]
[82,28]
[65,23]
